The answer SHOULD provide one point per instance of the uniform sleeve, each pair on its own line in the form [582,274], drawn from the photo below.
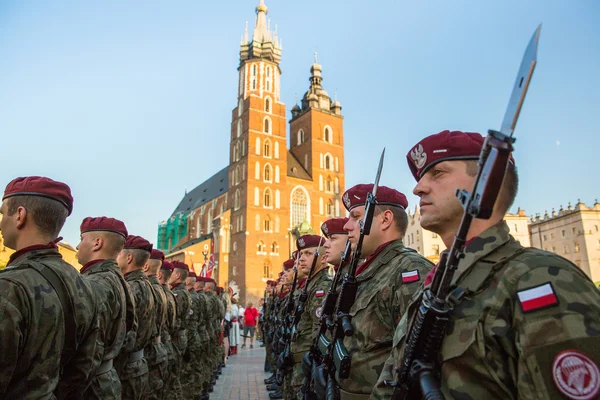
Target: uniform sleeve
[556,314]
[12,333]
[315,307]
[382,391]
[411,274]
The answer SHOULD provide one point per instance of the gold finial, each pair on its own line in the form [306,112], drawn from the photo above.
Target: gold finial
[262,7]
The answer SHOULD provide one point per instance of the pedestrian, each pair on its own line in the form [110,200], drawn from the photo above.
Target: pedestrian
[250,318]
[527,324]
[226,326]
[234,332]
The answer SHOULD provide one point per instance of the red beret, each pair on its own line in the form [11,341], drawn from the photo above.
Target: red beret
[443,146]
[180,265]
[308,241]
[103,224]
[280,274]
[271,282]
[167,266]
[334,226]
[192,274]
[40,186]
[137,242]
[203,279]
[220,289]
[357,196]
[157,255]
[288,264]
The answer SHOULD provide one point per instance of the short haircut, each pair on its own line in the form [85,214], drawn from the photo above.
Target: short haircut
[49,215]
[510,185]
[113,241]
[184,273]
[154,265]
[399,214]
[166,273]
[139,256]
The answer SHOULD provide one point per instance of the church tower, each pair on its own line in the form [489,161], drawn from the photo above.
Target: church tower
[257,161]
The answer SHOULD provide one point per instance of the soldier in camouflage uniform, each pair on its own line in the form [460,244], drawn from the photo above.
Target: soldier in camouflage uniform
[203,328]
[215,312]
[38,337]
[333,230]
[183,303]
[172,384]
[529,324]
[387,279]
[132,365]
[101,241]
[316,286]
[156,352]
[191,358]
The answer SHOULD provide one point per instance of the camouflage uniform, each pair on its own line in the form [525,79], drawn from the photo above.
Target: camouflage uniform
[156,352]
[203,362]
[382,297]
[288,389]
[493,348]
[183,303]
[133,366]
[118,323]
[191,359]
[32,328]
[172,384]
[214,328]
[308,326]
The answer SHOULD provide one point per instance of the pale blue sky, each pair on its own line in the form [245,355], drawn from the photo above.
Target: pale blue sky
[130,101]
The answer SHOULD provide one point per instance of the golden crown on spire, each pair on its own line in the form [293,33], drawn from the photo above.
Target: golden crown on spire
[261,7]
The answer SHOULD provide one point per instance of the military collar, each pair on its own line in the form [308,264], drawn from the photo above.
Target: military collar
[154,279]
[381,259]
[32,251]
[99,265]
[318,277]
[135,275]
[478,248]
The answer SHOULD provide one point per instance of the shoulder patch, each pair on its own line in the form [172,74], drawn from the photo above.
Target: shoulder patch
[319,312]
[537,298]
[410,276]
[319,293]
[576,375]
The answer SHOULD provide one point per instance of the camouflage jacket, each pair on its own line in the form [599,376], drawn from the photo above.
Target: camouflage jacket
[155,351]
[308,326]
[32,329]
[171,319]
[213,315]
[183,303]
[524,310]
[116,307]
[202,319]
[385,288]
[145,307]
[194,320]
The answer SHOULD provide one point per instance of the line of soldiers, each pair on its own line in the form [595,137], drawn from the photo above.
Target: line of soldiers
[525,325]
[129,325]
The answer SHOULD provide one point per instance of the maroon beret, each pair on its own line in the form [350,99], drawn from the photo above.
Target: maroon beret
[271,282]
[357,196]
[192,274]
[287,264]
[220,289]
[308,241]
[334,226]
[157,255]
[137,242]
[203,279]
[103,224]
[167,266]
[40,186]
[281,274]
[180,265]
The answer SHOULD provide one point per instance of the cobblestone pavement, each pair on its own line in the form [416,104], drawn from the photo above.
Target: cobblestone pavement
[243,378]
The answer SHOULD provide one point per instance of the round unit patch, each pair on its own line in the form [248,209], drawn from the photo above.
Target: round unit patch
[318,312]
[576,375]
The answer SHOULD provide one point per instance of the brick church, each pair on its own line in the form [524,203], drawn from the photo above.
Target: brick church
[276,187]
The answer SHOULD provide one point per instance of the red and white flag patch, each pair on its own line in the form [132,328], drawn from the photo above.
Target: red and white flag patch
[410,276]
[537,298]
[319,293]
[576,375]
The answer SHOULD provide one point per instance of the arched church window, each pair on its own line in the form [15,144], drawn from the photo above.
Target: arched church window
[266,126]
[267,148]
[299,206]
[236,200]
[327,135]
[300,138]
[267,174]
[268,104]
[267,197]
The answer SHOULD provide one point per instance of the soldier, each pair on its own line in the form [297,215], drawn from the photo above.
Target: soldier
[214,311]
[48,312]
[318,284]
[527,327]
[132,365]
[203,333]
[102,239]
[183,306]
[191,358]
[387,279]
[172,385]
[156,352]
[333,230]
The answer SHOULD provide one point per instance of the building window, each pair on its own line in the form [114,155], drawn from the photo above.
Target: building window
[330,209]
[300,138]
[209,221]
[234,271]
[253,84]
[268,72]
[276,173]
[328,162]
[267,149]
[327,135]
[267,224]
[267,197]
[329,185]
[516,229]
[234,247]
[236,201]
[267,270]
[436,249]
[274,248]
[260,247]
[266,126]
[254,70]
[434,235]
[563,233]
[545,238]
[267,174]
[257,146]
[299,206]
[576,247]
[239,128]
[268,104]
[256,196]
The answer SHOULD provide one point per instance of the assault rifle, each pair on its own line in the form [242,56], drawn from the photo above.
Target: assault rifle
[343,325]
[418,371]
[316,362]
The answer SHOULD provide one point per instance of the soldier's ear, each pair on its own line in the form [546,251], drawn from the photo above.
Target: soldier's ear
[98,243]
[387,219]
[22,216]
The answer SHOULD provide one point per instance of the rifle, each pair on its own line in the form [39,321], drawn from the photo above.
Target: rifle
[417,373]
[316,362]
[342,325]
[283,362]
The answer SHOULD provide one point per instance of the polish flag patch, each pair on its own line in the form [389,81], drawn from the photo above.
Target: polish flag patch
[319,293]
[410,276]
[537,298]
